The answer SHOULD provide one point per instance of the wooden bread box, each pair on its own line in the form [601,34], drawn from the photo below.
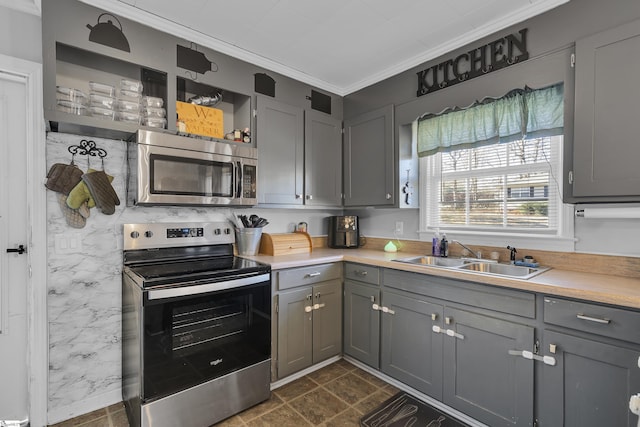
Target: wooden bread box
[285,243]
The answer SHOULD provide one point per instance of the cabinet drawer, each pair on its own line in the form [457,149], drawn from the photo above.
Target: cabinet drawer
[291,278]
[362,273]
[501,300]
[593,318]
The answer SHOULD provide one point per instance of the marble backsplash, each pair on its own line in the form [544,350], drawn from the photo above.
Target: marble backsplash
[84,284]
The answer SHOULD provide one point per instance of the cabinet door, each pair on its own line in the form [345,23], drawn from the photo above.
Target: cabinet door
[280,142]
[322,159]
[361,322]
[590,385]
[481,378]
[606,151]
[411,351]
[369,159]
[327,320]
[294,331]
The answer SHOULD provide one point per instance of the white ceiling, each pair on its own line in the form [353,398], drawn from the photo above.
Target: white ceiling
[337,45]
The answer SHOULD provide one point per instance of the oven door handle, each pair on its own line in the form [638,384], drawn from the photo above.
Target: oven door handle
[156,294]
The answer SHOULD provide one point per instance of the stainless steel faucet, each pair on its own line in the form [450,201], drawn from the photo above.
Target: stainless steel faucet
[475,255]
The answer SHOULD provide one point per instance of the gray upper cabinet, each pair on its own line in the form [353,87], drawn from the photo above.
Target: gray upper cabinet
[322,159]
[369,159]
[280,142]
[606,147]
[299,155]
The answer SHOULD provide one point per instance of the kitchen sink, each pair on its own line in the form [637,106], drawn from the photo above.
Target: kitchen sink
[510,270]
[434,261]
[474,265]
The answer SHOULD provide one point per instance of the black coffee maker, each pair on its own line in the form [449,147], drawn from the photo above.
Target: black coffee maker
[344,232]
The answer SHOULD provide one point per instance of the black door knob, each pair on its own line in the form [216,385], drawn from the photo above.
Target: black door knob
[21,249]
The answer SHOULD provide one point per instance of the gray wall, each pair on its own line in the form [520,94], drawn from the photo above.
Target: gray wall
[20,35]
[550,40]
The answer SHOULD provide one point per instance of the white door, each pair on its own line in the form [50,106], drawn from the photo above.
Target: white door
[13,233]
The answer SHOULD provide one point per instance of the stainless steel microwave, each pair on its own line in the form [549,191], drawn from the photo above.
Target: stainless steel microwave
[169,169]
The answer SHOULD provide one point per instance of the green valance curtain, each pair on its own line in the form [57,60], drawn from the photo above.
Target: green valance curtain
[521,113]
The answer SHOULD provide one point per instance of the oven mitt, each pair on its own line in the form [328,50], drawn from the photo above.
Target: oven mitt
[72,216]
[101,191]
[81,194]
[62,178]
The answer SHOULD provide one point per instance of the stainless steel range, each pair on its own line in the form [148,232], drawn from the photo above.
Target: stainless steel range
[196,325]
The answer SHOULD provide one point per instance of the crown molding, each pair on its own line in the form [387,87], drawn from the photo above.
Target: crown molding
[128,11]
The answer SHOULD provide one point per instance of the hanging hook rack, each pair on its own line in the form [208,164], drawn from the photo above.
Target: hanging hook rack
[87,148]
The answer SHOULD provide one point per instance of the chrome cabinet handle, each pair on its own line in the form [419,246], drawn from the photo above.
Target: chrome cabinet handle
[298,196]
[315,274]
[593,319]
[309,197]
[388,196]
[360,273]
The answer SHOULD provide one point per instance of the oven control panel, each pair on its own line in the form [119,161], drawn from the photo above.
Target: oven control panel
[172,233]
[176,234]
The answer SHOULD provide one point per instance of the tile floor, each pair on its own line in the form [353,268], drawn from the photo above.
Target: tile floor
[336,395]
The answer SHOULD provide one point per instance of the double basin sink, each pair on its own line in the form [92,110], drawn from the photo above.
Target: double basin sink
[474,265]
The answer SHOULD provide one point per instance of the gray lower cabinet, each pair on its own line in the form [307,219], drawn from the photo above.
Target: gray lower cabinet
[591,383]
[309,327]
[361,322]
[452,340]
[597,351]
[481,378]
[411,352]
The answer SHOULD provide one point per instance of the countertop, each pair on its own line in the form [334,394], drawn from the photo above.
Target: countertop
[602,288]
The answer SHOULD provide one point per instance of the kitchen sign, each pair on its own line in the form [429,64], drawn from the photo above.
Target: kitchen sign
[482,60]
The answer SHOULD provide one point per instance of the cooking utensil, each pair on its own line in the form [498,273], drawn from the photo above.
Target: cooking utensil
[195,61]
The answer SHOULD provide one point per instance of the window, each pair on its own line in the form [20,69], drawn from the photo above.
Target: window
[507,187]
[493,168]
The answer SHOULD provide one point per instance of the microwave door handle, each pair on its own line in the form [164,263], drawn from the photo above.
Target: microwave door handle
[239,180]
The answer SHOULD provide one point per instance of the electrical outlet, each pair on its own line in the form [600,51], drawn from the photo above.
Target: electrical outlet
[399,227]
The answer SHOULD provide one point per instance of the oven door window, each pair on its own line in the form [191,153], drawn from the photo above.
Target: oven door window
[196,339]
[190,177]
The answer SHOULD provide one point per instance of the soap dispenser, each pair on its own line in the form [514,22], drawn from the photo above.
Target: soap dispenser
[444,246]
[435,245]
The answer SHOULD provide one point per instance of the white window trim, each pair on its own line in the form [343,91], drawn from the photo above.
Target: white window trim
[563,240]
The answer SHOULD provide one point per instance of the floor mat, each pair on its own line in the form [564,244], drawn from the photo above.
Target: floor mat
[404,410]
